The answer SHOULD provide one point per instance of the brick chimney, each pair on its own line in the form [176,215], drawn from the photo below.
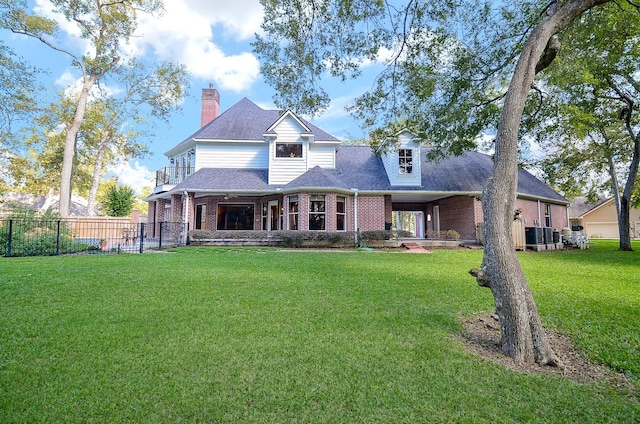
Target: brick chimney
[210,105]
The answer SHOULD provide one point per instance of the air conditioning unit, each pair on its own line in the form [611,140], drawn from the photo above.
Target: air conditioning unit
[534,235]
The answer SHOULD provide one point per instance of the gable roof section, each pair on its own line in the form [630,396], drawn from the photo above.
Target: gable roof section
[285,115]
[246,121]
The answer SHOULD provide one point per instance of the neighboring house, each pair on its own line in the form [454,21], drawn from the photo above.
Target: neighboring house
[40,203]
[255,169]
[600,220]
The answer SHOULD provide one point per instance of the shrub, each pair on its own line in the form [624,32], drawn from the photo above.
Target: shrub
[433,235]
[375,235]
[443,235]
[290,238]
[452,235]
[240,234]
[201,234]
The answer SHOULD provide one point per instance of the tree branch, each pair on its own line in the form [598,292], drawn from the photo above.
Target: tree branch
[550,53]
[46,42]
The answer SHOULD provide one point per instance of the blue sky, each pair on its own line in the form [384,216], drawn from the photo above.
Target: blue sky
[212,38]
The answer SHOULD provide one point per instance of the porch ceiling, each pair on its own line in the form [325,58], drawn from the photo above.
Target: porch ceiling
[417,197]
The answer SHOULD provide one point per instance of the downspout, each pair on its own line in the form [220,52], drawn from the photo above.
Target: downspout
[539,219]
[355,215]
[185,217]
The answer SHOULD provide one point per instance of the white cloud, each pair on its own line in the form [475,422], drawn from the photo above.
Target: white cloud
[240,18]
[67,79]
[185,33]
[209,37]
[136,176]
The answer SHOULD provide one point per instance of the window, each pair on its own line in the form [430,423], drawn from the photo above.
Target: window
[317,213]
[235,217]
[189,164]
[288,150]
[264,216]
[547,215]
[201,217]
[341,213]
[293,212]
[405,161]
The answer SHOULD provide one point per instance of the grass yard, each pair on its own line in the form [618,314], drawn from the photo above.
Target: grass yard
[223,335]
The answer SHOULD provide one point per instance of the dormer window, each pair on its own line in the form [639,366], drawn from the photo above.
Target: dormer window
[288,150]
[405,161]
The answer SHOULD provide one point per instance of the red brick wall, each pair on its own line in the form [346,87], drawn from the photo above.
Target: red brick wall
[303,212]
[388,209]
[535,217]
[176,207]
[559,217]
[371,213]
[151,211]
[458,213]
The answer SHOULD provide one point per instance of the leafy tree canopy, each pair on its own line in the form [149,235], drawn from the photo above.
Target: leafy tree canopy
[592,88]
[445,66]
[118,200]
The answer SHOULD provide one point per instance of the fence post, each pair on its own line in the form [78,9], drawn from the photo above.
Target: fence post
[10,237]
[141,232]
[58,238]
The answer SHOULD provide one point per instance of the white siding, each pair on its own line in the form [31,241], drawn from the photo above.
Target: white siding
[284,170]
[322,155]
[390,161]
[232,155]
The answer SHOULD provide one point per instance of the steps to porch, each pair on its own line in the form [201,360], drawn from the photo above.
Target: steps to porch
[413,247]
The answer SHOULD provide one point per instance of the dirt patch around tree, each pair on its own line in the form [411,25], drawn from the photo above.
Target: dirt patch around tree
[481,336]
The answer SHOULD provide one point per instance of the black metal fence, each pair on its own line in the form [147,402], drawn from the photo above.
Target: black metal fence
[38,237]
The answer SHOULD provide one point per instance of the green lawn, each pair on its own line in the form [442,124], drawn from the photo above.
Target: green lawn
[264,336]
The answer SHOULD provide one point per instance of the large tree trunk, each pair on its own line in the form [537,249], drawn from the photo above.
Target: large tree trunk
[624,223]
[523,336]
[97,176]
[70,146]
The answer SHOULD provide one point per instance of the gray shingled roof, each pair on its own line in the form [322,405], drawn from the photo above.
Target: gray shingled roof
[580,206]
[223,180]
[247,121]
[359,167]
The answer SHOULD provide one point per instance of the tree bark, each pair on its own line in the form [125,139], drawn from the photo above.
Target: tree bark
[70,146]
[97,176]
[624,224]
[523,336]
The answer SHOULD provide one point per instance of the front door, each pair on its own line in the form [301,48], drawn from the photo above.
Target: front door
[273,217]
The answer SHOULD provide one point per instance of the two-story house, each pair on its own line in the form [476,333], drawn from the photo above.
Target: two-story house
[255,169]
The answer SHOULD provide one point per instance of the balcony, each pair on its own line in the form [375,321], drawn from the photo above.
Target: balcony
[172,175]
